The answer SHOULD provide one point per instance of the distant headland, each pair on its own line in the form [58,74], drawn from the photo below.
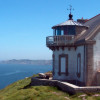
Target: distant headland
[27,61]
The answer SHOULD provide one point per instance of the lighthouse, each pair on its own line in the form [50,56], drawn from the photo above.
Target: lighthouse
[73,45]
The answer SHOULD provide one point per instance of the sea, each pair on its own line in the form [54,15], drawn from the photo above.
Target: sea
[10,73]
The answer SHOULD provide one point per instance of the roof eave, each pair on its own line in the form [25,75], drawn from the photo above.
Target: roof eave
[69,25]
[85,42]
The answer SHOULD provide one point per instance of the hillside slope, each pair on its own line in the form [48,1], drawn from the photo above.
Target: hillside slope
[21,90]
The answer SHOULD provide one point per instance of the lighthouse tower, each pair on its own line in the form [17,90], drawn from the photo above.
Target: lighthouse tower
[67,57]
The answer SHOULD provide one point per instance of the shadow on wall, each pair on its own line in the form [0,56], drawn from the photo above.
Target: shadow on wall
[96,79]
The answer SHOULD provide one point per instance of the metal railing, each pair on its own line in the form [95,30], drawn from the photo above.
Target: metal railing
[60,40]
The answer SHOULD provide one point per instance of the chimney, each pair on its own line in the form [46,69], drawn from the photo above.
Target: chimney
[82,21]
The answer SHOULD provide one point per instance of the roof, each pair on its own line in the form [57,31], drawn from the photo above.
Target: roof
[93,25]
[69,22]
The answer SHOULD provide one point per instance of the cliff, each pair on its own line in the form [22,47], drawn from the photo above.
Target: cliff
[27,61]
[21,90]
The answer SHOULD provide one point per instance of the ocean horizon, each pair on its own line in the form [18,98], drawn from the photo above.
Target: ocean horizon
[10,73]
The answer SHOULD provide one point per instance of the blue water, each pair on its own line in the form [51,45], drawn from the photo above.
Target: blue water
[10,73]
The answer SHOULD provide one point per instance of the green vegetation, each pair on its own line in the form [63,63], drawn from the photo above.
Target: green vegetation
[21,90]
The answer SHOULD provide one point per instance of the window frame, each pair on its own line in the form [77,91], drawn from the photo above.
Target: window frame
[66,57]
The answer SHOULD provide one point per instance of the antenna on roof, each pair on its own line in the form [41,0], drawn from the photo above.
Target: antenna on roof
[70,15]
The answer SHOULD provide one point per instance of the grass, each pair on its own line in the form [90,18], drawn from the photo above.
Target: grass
[21,90]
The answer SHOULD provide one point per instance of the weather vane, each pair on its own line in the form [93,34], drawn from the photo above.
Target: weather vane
[70,8]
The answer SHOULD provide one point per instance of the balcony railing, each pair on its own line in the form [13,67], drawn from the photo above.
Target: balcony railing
[60,40]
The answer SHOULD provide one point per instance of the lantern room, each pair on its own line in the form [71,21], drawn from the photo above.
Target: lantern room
[65,33]
[69,27]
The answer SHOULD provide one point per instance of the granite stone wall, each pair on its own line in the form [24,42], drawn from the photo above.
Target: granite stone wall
[64,86]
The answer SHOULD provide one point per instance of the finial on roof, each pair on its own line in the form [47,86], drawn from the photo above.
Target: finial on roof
[70,15]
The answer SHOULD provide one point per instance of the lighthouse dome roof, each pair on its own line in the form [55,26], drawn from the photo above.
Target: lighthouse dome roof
[68,23]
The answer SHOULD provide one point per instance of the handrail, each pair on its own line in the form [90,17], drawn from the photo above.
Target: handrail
[60,40]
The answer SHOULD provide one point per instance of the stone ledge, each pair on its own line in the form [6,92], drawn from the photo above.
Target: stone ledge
[65,86]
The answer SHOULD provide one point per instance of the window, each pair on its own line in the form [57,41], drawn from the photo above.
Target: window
[71,30]
[78,65]
[58,32]
[63,64]
[54,32]
[62,32]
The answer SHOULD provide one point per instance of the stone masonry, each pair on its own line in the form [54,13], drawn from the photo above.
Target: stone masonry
[64,86]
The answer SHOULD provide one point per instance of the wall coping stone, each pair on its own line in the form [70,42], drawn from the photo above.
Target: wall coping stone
[64,86]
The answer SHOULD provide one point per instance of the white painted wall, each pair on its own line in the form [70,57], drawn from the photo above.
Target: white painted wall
[96,53]
[72,63]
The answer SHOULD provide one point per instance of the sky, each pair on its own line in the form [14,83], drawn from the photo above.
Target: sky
[25,24]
